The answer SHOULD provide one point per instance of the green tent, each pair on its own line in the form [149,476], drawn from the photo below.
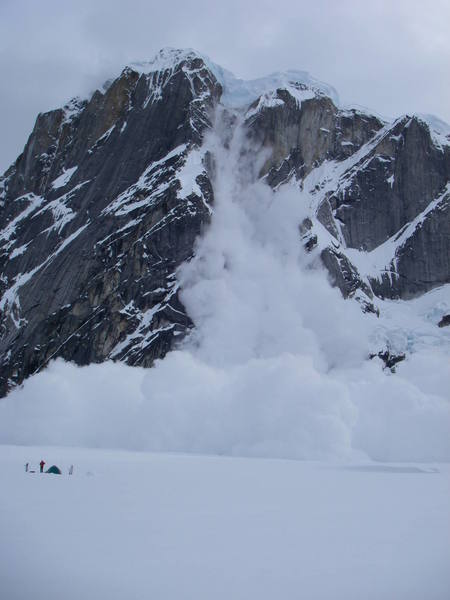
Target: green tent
[54,469]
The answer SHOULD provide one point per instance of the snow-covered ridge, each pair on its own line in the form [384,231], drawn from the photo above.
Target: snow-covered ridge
[166,59]
[73,109]
[365,111]
[237,93]
[439,129]
[241,93]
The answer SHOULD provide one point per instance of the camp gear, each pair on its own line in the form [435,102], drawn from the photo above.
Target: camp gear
[54,469]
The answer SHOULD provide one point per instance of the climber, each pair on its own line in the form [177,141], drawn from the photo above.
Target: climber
[41,466]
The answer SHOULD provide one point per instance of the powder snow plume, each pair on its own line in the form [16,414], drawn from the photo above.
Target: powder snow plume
[277,364]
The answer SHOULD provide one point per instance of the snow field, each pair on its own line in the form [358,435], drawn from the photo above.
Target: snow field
[184,527]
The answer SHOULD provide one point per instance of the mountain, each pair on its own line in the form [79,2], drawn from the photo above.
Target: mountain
[110,194]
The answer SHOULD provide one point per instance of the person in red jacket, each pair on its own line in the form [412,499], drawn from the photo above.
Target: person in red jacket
[41,465]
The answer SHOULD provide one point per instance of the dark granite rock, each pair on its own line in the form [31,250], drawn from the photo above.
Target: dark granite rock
[87,266]
[445,321]
[309,239]
[346,277]
[390,360]
[300,136]
[392,184]
[387,177]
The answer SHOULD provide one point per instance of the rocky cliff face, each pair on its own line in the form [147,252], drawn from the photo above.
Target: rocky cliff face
[381,190]
[110,194]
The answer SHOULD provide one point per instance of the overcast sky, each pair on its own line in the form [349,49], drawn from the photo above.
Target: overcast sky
[392,56]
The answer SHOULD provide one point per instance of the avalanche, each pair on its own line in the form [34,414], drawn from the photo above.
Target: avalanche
[277,363]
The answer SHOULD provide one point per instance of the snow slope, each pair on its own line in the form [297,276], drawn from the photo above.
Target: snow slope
[130,525]
[237,92]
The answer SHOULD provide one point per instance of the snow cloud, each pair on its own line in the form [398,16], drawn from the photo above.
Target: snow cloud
[271,407]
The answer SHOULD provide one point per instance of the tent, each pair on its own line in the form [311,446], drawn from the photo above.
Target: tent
[54,469]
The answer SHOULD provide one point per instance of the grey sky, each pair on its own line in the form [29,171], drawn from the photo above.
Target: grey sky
[392,56]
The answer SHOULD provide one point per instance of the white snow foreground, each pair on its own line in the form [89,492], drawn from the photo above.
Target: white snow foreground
[140,526]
